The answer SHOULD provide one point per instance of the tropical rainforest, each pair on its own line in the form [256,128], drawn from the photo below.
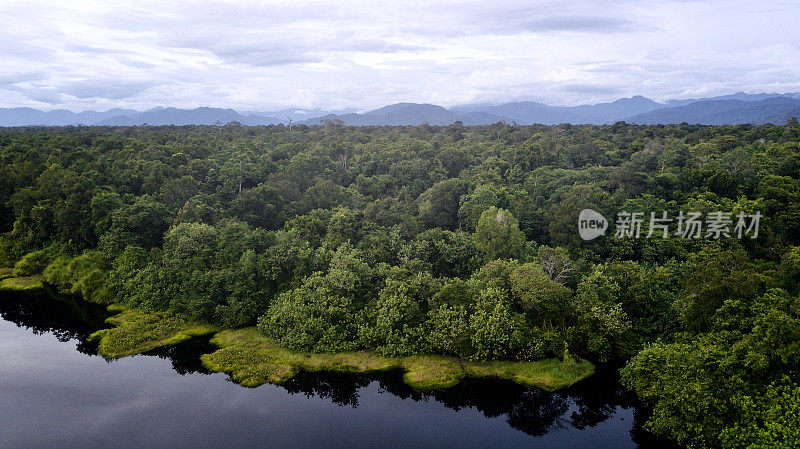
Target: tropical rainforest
[452,240]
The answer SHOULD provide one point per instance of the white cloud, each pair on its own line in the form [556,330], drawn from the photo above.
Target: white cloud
[259,55]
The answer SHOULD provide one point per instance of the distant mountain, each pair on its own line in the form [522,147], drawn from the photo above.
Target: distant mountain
[612,112]
[300,114]
[56,117]
[736,108]
[128,117]
[737,96]
[197,116]
[776,110]
[411,114]
[529,112]
[525,112]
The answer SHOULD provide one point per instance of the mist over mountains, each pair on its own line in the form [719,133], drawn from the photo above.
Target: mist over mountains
[728,109]
[776,110]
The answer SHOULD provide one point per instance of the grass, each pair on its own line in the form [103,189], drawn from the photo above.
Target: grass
[21,284]
[548,374]
[252,359]
[136,331]
[431,371]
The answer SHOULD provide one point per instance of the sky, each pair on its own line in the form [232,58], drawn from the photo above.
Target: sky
[260,56]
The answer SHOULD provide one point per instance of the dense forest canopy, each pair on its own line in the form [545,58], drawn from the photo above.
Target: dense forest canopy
[452,240]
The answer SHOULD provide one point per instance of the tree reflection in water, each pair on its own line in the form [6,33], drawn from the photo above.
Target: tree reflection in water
[530,410]
[66,317]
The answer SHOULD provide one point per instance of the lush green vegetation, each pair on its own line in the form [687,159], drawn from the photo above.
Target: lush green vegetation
[251,359]
[456,241]
[135,332]
[21,284]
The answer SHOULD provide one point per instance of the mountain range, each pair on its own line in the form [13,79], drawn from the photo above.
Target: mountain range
[728,109]
[776,110]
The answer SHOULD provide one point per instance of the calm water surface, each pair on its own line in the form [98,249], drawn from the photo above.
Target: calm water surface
[56,392]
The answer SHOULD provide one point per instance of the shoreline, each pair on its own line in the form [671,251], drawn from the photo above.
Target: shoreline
[250,358]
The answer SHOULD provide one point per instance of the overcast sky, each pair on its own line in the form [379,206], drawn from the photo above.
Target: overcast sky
[96,55]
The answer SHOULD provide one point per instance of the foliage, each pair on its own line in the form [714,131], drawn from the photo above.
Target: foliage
[457,241]
[136,332]
[498,236]
[32,263]
[252,359]
[720,388]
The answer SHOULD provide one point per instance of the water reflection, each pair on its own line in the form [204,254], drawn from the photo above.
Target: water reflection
[185,357]
[532,411]
[66,317]
[588,404]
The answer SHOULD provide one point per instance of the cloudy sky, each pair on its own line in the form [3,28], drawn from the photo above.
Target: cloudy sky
[96,55]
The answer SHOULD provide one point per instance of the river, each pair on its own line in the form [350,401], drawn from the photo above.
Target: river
[56,392]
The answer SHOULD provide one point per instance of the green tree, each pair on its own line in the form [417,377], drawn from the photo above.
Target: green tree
[542,299]
[141,223]
[498,236]
[497,332]
[395,325]
[438,206]
[473,205]
[312,317]
[718,275]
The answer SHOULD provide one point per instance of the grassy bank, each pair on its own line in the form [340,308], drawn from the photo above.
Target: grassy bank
[252,359]
[136,331]
[20,284]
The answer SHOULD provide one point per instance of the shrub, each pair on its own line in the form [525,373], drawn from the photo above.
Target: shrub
[32,263]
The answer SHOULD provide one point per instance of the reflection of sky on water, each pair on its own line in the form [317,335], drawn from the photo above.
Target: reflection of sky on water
[52,395]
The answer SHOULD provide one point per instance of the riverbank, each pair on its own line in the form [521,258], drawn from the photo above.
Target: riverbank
[135,331]
[251,359]
[63,387]
[20,284]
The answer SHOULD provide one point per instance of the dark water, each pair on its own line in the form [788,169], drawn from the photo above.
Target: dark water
[56,392]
